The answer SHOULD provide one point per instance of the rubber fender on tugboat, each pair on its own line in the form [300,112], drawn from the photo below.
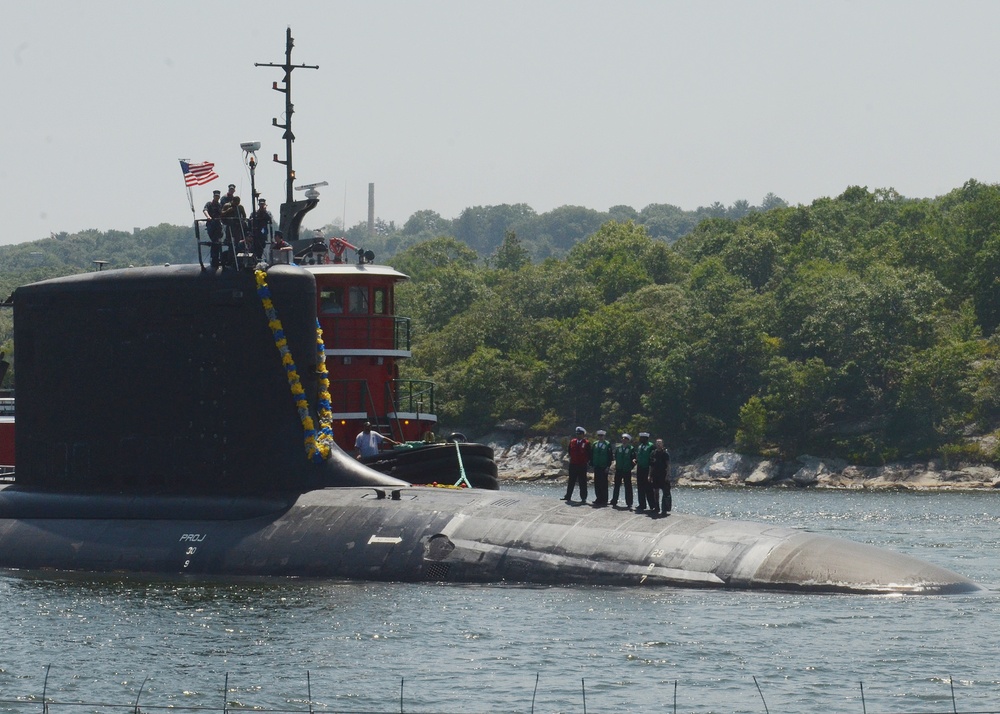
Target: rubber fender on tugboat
[449,473]
[419,455]
[473,465]
[383,461]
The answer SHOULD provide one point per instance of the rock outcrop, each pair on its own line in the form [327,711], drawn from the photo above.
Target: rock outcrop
[540,458]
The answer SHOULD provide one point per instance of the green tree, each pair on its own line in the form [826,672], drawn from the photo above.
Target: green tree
[752,254]
[426,258]
[510,254]
[426,224]
[483,228]
[621,258]
[796,395]
[752,429]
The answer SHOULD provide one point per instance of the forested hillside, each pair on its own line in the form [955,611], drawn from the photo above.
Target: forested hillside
[67,254]
[482,227]
[861,326]
[543,235]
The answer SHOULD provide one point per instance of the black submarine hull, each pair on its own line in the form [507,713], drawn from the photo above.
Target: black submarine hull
[416,534]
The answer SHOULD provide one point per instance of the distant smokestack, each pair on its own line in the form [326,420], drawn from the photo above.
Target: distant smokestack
[371,209]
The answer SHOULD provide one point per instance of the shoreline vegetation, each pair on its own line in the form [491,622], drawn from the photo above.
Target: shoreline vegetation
[862,328]
[546,459]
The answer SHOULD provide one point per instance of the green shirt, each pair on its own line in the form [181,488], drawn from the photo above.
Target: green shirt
[600,454]
[624,454]
[642,454]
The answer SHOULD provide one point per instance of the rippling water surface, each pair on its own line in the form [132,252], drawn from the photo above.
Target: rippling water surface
[370,646]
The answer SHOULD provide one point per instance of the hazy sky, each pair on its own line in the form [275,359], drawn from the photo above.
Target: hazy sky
[450,104]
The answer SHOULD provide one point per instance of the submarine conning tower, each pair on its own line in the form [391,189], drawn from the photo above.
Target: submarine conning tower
[168,380]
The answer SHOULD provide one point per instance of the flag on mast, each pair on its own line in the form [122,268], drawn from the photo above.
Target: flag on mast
[198,174]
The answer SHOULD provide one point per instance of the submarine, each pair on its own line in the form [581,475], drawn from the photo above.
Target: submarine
[175,420]
[179,436]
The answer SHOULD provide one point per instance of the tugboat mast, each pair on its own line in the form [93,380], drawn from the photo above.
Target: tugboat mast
[288,136]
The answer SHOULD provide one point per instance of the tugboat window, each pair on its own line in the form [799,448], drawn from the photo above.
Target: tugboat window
[331,301]
[379,301]
[359,300]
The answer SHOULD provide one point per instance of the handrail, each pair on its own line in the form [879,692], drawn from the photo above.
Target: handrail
[347,331]
[411,397]
[226,242]
[401,395]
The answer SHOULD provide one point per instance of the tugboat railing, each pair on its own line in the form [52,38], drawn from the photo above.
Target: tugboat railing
[415,396]
[368,332]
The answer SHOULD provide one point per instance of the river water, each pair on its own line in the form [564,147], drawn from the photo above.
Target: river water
[378,647]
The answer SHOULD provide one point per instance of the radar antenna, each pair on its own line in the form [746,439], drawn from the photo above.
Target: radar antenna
[310,189]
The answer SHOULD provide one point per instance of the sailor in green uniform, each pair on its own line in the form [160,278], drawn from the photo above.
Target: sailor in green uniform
[624,461]
[601,455]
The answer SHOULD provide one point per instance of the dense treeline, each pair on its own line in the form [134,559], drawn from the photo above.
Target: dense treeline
[861,326]
[67,254]
[543,235]
[482,227]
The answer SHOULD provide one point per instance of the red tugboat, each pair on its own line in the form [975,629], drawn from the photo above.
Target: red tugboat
[364,341]
[6,425]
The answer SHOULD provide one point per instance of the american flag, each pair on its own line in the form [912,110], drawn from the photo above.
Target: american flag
[198,174]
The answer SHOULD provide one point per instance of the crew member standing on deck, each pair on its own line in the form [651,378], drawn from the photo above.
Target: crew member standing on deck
[230,195]
[579,457]
[213,212]
[659,475]
[227,216]
[601,455]
[369,443]
[260,227]
[234,217]
[624,461]
[642,453]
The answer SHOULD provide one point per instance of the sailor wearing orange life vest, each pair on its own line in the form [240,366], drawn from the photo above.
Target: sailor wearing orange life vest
[579,458]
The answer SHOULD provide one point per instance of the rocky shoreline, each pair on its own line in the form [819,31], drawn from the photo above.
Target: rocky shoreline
[544,458]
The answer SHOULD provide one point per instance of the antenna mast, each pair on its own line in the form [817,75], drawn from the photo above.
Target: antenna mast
[288,136]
